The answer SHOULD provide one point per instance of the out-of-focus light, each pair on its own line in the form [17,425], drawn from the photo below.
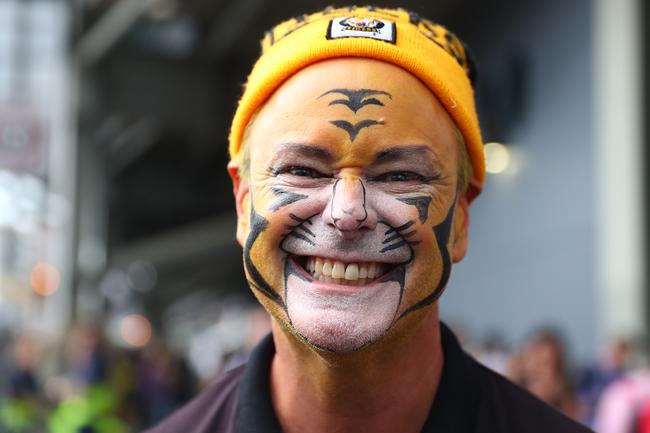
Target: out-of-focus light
[206,353]
[142,276]
[21,201]
[497,157]
[115,286]
[135,330]
[45,279]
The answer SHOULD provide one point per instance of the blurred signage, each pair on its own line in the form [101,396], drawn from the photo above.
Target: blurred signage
[22,146]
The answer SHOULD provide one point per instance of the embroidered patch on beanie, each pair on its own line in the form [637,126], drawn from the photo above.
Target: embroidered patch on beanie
[362,27]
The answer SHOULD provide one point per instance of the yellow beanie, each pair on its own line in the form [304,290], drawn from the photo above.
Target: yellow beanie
[426,50]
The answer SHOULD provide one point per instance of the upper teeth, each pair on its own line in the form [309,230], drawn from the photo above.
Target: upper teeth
[335,271]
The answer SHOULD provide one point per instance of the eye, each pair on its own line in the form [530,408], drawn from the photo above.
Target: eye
[300,171]
[399,176]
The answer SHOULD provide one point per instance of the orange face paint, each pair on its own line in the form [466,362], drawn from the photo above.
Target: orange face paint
[350,220]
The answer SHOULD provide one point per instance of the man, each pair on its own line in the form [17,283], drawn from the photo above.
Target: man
[356,152]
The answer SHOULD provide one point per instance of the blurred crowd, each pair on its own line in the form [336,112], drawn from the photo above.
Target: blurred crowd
[99,387]
[609,395]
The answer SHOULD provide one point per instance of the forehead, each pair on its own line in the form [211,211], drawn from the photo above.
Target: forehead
[306,107]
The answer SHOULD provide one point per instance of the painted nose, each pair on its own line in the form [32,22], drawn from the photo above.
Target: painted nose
[349,211]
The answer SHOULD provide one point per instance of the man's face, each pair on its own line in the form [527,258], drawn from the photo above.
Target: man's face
[350,217]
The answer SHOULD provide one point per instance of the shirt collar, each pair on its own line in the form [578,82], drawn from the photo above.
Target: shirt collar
[255,410]
[454,408]
[457,399]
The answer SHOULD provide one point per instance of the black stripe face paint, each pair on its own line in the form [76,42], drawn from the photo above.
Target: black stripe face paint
[421,203]
[285,198]
[353,130]
[355,100]
[299,231]
[257,225]
[442,233]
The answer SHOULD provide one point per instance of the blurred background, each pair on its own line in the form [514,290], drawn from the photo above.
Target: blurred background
[121,288]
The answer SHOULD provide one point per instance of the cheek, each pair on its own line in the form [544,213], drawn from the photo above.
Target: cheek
[431,269]
[289,207]
[266,262]
[391,210]
[428,260]
[315,201]
[280,208]
[424,274]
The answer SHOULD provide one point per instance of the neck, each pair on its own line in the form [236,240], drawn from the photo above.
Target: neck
[386,387]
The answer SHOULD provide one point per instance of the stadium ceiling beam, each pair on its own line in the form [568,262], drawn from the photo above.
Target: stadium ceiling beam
[184,244]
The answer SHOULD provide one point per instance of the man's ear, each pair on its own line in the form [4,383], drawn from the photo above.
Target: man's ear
[461,226]
[241,191]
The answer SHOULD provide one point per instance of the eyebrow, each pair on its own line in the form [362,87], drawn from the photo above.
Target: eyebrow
[300,150]
[401,152]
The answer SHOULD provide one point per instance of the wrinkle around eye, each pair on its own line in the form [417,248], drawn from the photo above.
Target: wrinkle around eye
[404,188]
[435,188]
[299,182]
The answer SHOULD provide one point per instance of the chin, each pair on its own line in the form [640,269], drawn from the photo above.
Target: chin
[339,333]
[339,318]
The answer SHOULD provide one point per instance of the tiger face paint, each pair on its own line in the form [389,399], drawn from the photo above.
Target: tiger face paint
[350,218]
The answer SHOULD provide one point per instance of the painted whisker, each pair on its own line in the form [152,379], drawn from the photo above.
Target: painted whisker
[285,198]
[394,246]
[301,220]
[392,238]
[306,230]
[400,228]
[302,237]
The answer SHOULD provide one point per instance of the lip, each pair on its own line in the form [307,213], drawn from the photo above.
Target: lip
[322,286]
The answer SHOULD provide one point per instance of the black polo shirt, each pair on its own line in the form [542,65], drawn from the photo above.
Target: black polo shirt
[470,399]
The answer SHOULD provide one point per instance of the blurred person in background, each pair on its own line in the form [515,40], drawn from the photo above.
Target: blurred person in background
[21,406]
[86,354]
[624,404]
[356,152]
[164,383]
[494,354]
[611,367]
[542,368]
[92,391]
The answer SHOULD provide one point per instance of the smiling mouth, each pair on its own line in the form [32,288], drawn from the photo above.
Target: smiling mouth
[338,272]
